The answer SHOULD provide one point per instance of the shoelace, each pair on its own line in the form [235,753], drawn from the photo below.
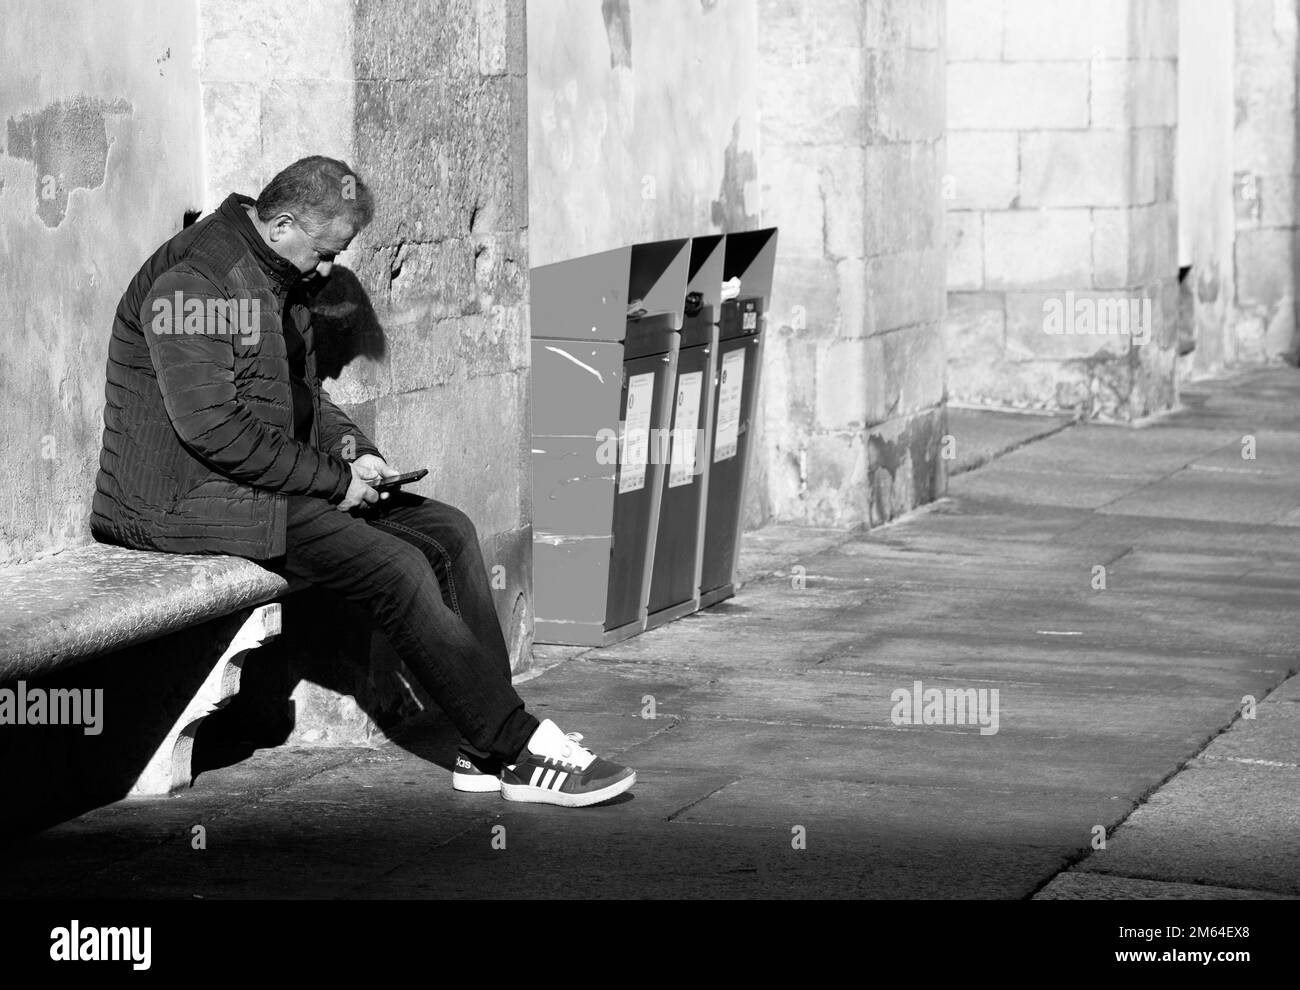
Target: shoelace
[572,747]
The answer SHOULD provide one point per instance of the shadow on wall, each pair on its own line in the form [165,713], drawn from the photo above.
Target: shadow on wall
[345,324]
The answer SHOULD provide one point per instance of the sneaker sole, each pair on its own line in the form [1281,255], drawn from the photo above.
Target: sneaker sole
[541,795]
[475,783]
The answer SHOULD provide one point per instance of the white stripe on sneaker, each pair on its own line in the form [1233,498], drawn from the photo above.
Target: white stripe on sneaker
[559,780]
[546,781]
[536,773]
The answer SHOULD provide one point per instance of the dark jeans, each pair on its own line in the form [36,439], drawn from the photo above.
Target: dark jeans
[416,566]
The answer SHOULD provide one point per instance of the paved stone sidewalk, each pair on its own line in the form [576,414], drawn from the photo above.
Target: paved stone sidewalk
[772,725]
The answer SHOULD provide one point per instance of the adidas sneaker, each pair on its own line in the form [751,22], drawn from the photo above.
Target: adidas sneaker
[555,769]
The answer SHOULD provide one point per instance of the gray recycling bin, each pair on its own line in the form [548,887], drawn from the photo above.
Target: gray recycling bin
[750,257]
[604,355]
[675,578]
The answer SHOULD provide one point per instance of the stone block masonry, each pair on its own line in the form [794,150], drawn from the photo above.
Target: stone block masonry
[1059,185]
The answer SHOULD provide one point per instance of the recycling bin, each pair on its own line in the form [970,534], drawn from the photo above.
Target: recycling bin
[675,577]
[749,257]
[604,355]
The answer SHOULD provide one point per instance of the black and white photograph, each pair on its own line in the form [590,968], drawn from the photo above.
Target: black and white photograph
[766,451]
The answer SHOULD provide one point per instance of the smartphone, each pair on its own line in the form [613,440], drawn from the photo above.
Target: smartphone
[392,484]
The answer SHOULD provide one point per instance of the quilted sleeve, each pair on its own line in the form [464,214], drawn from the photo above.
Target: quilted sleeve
[195,373]
[339,435]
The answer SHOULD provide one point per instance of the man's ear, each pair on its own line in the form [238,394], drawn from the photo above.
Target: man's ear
[280,226]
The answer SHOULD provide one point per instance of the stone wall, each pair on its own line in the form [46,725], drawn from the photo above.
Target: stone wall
[101,159]
[1062,209]
[1265,147]
[852,110]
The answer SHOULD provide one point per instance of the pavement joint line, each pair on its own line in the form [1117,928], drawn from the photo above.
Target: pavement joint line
[1156,481]
[1187,881]
[990,458]
[687,807]
[674,723]
[1144,798]
[1118,557]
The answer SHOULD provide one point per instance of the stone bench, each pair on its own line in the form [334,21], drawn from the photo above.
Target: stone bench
[83,603]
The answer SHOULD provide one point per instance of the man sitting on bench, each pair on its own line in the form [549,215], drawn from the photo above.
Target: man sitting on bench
[219,439]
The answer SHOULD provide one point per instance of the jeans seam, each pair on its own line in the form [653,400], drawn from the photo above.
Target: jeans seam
[451,581]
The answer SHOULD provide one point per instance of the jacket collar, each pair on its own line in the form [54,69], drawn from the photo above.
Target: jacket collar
[280,270]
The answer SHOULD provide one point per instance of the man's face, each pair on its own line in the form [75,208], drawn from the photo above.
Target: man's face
[313,255]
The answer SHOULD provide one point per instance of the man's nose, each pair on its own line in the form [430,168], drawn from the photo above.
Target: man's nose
[324,269]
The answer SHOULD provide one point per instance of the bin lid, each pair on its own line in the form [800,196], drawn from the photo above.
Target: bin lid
[592,297]
[751,257]
[708,252]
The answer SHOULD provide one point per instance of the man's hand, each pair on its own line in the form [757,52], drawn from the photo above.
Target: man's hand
[373,468]
[366,469]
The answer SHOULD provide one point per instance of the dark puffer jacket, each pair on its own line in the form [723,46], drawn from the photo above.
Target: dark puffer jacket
[198,451]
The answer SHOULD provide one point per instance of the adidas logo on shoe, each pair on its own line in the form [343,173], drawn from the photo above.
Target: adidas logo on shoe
[474,773]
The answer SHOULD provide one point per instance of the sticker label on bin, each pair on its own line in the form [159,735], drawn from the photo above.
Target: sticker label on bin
[686,422]
[733,377]
[749,320]
[636,432]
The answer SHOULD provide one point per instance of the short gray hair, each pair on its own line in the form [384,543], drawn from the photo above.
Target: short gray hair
[316,190]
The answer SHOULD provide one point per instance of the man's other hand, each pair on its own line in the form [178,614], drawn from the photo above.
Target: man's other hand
[366,470]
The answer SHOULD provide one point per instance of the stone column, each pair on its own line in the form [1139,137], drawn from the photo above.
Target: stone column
[852,117]
[1062,225]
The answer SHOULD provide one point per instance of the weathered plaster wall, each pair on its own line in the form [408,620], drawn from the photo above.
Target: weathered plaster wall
[1266,140]
[641,122]
[852,109]
[1061,180]
[101,158]
[1205,176]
